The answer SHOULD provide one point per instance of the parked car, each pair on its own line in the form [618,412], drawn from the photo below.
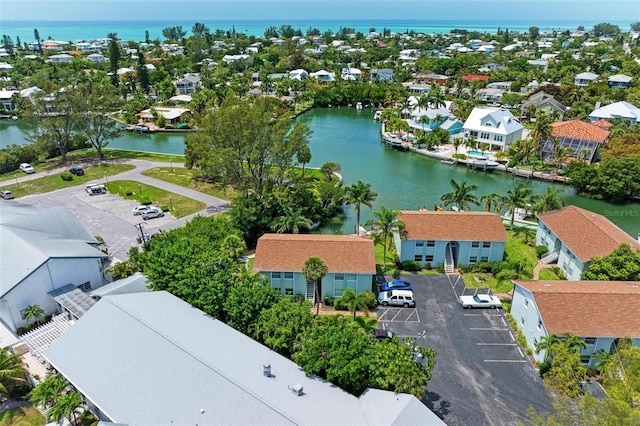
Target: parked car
[96,189]
[381,334]
[27,168]
[396,285]
[480,301]
[76,170]
[396,298]
[137,211]
[152,214]
[6,194]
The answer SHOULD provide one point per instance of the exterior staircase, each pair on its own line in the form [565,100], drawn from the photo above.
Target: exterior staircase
[550,257]
[311,292]
[448,261]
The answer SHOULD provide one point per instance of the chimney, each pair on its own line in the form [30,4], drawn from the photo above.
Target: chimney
[597,105]
[266,370]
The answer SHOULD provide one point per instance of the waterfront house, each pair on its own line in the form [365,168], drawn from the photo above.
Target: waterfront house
[451,238]
[621,110]
[349,258]
[173,116]
[601,312]
[546,103]
[585,78]
[496,127]
[619,81]
[574,236]
[584,139]
[418,88]
[123,354]
[43,251]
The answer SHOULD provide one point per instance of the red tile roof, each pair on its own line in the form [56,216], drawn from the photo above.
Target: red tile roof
[341,253]
[587,234]
[577,129]
[603,123]
[453,226]
[475,77]
[588,308]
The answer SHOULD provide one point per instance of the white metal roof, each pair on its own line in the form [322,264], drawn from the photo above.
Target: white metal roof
[617,110]
[501,121]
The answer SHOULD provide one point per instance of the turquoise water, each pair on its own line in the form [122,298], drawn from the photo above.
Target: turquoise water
[478,154]
[403,180]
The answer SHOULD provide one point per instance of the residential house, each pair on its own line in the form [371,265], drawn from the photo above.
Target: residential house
[6,99]
[62,58]
[351,74]
[621,110]
[152,359]
[418,88]
[619,81]
[601,312]
[188,84]
[229,59]
[451,238]
[496,127]
[173,116]
[585,78]
[323,76]
[299,74]
[97,57]
[539,63]
[490,94]
[408,55]
[437,117]
[583,139]
[503,85]
[43,251]
[474,77]
[382,74]
[349,258]
[546,103]
[574,236]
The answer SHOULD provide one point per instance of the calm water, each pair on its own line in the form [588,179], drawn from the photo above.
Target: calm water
[402,180]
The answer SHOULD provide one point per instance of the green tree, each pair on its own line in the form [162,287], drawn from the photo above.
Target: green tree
[143,72]
[97,102]
[623,264]
[461,196]
[548,201]
[200,29]
[490,201]
[329,169]
[65,407]
[247,298]
[114,61]
[33,313]
[385,222]
[36,35]
[303,156]
[534,32]
[359,194]
[48,391]
[517,198]
[281,326]
[313,271]
[12,371]
[233,246]
[292,221]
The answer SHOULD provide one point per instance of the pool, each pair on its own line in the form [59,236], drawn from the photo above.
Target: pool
[478,154]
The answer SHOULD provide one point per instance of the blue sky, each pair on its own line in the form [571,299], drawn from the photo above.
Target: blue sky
[574,10]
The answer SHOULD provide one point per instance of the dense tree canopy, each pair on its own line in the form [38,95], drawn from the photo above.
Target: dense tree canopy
[623,264]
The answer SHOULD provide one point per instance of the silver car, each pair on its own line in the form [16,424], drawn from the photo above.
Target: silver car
[152,214]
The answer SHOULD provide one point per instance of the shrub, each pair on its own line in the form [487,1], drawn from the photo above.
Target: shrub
[496,267]
[146,202]
[66,176]
[542,250]
[482,267]
[411,266]
[556,270]
[544,367]
[506,274]
[298,298]
[428,265]
[327,301]
[164,208]
[459,156]
[370,300]
[339,304]
[465,269]
[440,268]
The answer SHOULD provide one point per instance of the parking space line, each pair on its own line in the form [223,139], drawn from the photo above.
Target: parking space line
[386,311]
[505,360]
[488,329]
[415,311]
[513,339]
[396,315]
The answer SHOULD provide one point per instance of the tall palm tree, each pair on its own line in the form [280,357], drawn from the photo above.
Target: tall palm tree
[549,201]
[436,98]
[234,246]
[66,407]
[358,194]
[313,270]
[12,370]
[516,198]
[291,221]
[560,153]
[36,35]
[424,120]
[386,220]
[490,201]
[405,108]
[423,102]
[33,312]
[461,195]
[546,343]
[542,128]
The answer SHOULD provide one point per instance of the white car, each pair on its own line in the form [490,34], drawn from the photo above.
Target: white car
[27,168]
[152,214]
[137,211]
[480,301]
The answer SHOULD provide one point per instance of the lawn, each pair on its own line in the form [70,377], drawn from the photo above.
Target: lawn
[480,280]
[21,416]
[133,155]
[548,275]
[517,249]
[177,205]
[55,182]
[188,178]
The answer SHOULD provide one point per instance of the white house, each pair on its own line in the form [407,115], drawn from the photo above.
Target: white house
[622,110]
[188,84]
[351,74]
[42,251]
[496,127]
[323,76]
[574,236]
[62,58]
[97,57]
[601,312]
[585,78]
[152,359]
[299,74]
[619,81]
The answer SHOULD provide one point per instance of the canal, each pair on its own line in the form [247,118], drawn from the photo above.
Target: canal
[402,180]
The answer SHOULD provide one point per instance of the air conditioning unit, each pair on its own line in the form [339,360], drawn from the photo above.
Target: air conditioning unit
[296,389]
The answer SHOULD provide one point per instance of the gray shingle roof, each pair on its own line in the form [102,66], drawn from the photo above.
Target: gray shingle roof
[150,359]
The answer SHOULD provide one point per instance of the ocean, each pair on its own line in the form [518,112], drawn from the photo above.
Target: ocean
[135,30]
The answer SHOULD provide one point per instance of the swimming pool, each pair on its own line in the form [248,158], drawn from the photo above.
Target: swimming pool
[478,154]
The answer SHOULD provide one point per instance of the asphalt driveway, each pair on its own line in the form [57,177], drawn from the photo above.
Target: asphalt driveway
[482,375]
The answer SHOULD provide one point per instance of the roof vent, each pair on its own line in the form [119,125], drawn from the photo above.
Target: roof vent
[296,389]
[266,370]
[202,411]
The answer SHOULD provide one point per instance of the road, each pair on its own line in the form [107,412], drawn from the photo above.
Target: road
[109,216]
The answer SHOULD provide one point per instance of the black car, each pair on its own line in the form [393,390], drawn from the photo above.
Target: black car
[76,170]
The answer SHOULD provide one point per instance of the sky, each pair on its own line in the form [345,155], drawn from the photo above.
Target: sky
[548,10]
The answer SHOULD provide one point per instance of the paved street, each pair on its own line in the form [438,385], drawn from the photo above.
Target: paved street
[109,216]
[482,376]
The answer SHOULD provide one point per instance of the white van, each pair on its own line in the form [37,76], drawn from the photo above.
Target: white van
[396,298]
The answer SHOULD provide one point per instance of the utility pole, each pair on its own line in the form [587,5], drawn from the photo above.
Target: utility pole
[143,240]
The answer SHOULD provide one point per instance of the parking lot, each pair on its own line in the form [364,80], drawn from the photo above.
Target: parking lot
[482,375]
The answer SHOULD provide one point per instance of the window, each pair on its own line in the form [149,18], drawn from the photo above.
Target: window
[288,291]
[276,275]
[522,320]
[419,243]
[484,258]
[473,259]
[497,138]
[339,277]
[417,258]
[429,258]
[351,277]
[585,359]
[431,243]
[288,275]
[540,324]
[590,340]
[84,286]
[486,244]
[484,135]
[475,244]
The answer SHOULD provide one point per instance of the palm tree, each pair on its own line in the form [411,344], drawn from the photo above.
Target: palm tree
[436,98]
[423,102]
[405,107]
[456,143]
[573,342]
[291,221]
[12,370]
[66,406]
[33,312]
[358,194]
[549,201]
[461,195]
[424,120]
[546,343]
[518,198]
[560,153]
[303,156]
[490,200]
[313,271]
[36,35]
[329,169]
[234,246]
[48,391]
[386,220]
[542,129]
[354,303]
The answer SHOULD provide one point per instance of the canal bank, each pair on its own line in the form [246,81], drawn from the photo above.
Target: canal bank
[403,180]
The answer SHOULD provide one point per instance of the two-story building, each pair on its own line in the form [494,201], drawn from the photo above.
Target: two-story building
[574,236]
[619,81]
[583,139]
[350,261]
[188,84]
[546,103]
[585,78]
[496,127]
[601,312]
[450,238]
[618,110]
